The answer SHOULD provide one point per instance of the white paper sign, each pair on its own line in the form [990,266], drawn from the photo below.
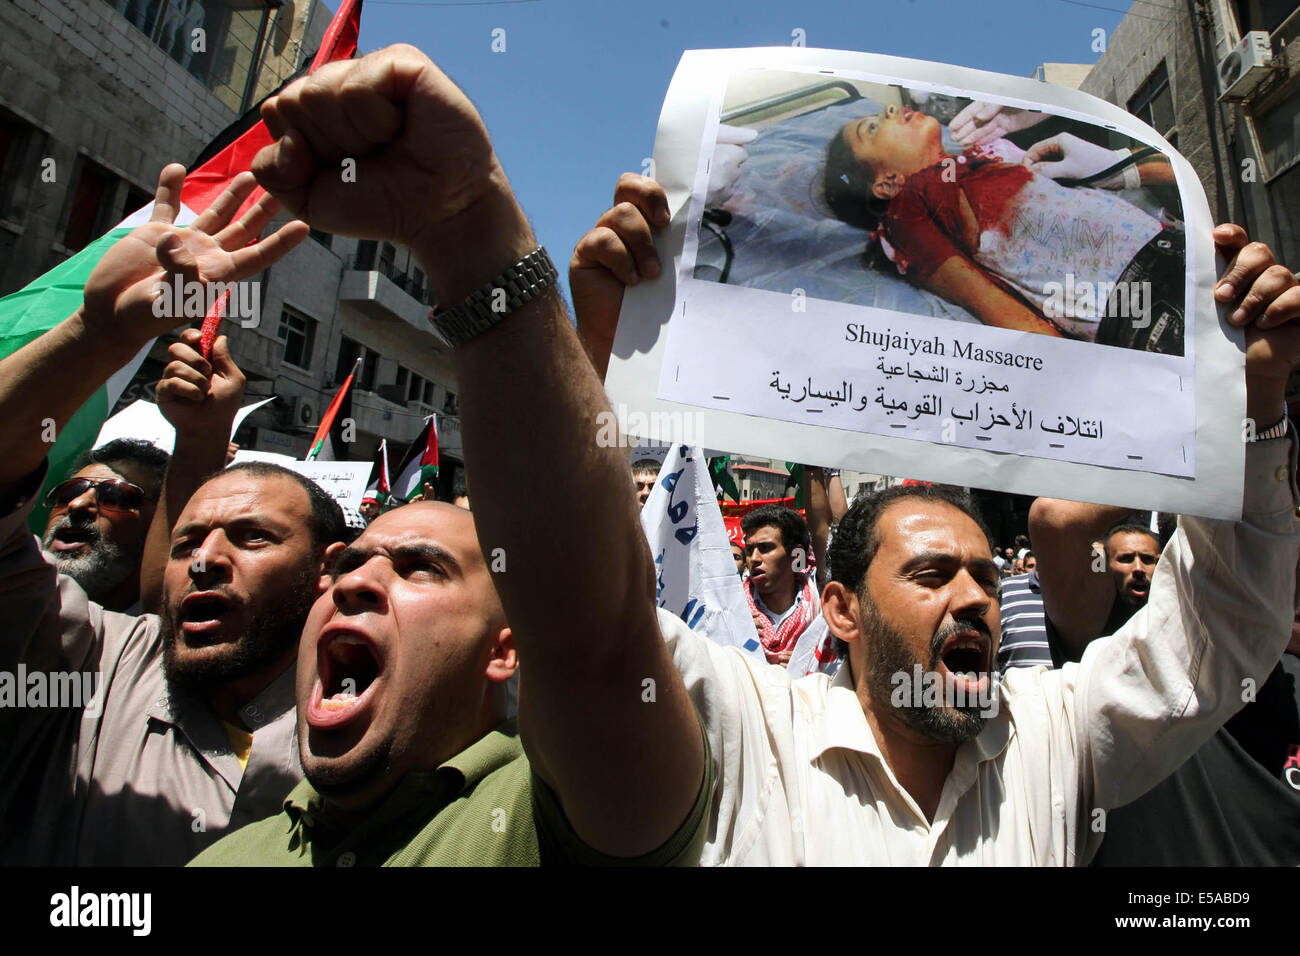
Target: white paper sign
[344,481]
[1014,317]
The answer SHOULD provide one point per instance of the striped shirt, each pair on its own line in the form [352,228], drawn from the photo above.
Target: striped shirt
[1024,625]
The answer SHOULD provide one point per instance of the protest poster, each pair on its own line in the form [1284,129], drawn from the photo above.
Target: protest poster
[344,481]
[1032,313]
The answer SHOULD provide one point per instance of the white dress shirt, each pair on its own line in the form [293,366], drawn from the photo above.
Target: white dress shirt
[801,779]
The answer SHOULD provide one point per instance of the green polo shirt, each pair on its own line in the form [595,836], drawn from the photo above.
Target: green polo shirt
[483,807]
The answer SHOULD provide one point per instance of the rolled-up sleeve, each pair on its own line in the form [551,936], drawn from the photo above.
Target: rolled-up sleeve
[1217,621]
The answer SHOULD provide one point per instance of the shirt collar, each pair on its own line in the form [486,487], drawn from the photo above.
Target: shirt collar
[844,724]
[203,728]
[453,777]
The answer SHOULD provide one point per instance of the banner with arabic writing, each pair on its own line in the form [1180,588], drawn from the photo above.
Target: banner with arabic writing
[920,269]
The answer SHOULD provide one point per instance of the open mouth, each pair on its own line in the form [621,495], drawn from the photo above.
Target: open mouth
[69,538]
[348,665]
[966,657]
[202,612]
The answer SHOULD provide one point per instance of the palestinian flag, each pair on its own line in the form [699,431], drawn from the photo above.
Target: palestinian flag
[379,487]
[32,311]
[328,440]
[722,477]
[420,464]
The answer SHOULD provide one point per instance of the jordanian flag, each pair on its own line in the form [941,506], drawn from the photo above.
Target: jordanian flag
[41,305]
[379,487]
[420,464]
[322,446]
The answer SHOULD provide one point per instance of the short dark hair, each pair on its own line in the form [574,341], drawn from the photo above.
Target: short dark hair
[144,455]
[855,543]
[326,522]
[847,185]
[847,182]
[1132,527]
[794,530]
[645,464]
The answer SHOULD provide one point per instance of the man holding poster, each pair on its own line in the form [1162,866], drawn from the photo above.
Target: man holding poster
[917,752]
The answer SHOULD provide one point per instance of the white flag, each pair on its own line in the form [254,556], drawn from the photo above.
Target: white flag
[695,575]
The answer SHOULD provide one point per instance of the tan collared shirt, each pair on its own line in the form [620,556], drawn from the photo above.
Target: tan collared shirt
[134,776]
[801,779]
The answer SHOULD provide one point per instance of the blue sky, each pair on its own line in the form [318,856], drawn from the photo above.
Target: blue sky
[574,100]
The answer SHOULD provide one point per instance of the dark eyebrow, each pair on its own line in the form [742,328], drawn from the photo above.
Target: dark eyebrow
[261,522]
[948,559]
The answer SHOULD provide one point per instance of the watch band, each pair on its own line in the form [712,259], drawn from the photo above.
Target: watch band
[491,302]
[1277,430]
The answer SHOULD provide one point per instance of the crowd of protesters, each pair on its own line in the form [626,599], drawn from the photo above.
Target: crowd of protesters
[273,688]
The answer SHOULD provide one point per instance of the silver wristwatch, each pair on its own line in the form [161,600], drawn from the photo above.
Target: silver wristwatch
[493,301]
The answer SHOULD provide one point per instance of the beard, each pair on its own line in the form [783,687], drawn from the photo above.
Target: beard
[275,625]
[1133,602]
[103,568]
[888,654]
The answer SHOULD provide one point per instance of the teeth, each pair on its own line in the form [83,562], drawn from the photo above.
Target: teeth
[338,701]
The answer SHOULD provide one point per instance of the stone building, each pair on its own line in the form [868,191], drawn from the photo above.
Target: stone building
[96,96]
[1163,64]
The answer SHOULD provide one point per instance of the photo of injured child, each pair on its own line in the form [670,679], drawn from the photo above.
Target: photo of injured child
[939,205]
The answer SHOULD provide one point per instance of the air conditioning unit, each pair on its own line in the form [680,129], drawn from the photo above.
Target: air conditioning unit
[1246,67]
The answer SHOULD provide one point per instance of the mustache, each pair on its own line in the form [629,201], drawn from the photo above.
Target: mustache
[958,625]
[173,603]
[83,523]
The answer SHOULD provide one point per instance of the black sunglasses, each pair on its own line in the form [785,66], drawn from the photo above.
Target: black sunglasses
[111,494]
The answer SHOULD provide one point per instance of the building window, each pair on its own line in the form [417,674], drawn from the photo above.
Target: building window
[225,54]
[348,353]
[1262,14]
[16,142]
[365,261]
[387,258]
[1278,130]
[298,333]
[1284,198]
[450,406]
[1153,103]
[92,199]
